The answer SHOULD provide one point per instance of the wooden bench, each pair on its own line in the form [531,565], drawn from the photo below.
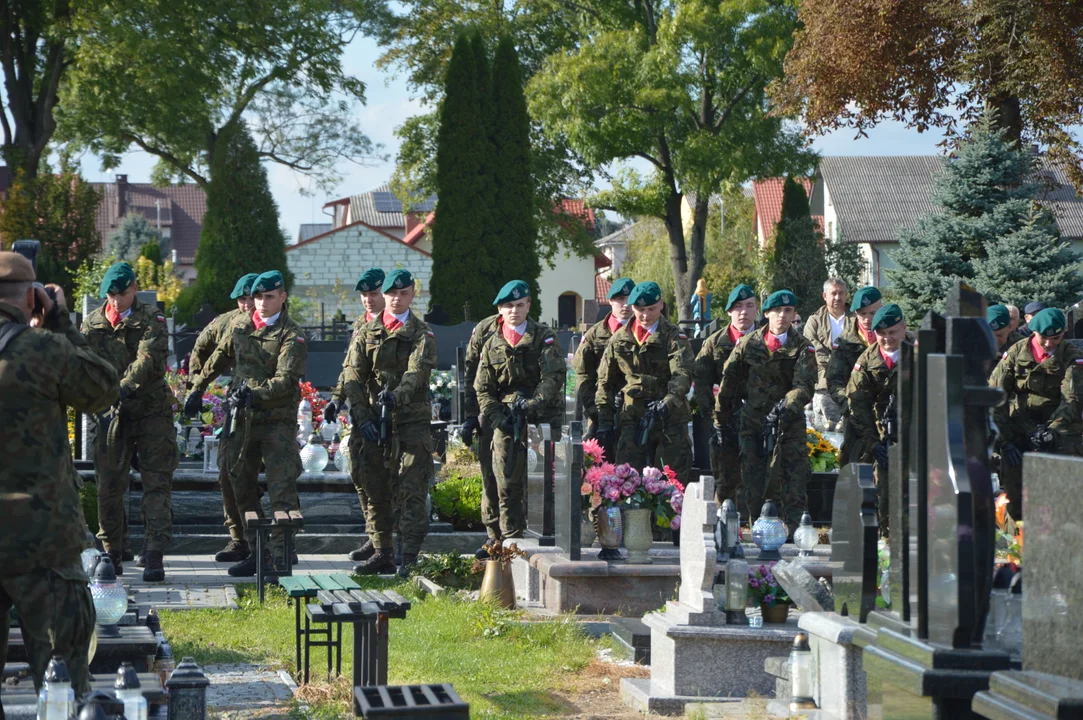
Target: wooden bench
[290,523]
[300,588]
[368,611]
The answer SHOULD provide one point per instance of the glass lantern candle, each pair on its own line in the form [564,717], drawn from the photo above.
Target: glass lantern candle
[128,691]
[314,455]
[736,591]
[328,431]
[56,701]
[342,458]
[801,674]
[110,597]
[304,420]
[806,536]
[769,533]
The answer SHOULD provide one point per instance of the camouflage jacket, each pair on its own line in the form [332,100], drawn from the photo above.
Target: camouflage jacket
[588,358]
[707,372]
[817,331]
[42,373]
[400,361]
[138,349]
[338,392]
[270,360]
[870,387]
[660,368]
[481,334]
[534,368]
[209,339]
[843,358]
[1013,337]
[1039,393]
[761,378]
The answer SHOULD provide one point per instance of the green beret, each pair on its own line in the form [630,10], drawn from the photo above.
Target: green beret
[739,293]
[1048,322]
[370,280]
[513,290]
[864,297]
[780,298]
[624,286]
[886,317]
[998,317]
[243,286]
[645,293]
[271,280]
[118,278]
[397,280]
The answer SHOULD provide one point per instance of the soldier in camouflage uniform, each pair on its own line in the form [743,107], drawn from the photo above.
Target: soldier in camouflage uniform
[649,363]
[742,305]
[370,286]
[133,337]
[855,339]
[43,371]
[268,353]
[520,377]
[387,369]
[589,354]
[209,339]
[1042,377]
[774,371]
[490,511]
[872,384]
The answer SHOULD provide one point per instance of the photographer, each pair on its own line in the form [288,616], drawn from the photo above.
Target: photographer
[42,370]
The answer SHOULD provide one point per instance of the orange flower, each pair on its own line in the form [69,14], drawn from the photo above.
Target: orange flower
[1002,509]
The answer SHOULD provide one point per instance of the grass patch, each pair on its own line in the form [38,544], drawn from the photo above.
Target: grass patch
[503,668]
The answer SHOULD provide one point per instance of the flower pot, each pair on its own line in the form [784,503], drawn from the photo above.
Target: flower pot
[498,584]
[587,533]
[638,538]
[776,614]
[610,532]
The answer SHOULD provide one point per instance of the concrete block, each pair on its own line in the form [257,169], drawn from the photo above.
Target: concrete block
[839,686]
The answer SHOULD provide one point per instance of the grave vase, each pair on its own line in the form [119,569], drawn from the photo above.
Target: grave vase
[587,533]
[776,614]
[637,535]
[498,584]
[610,532]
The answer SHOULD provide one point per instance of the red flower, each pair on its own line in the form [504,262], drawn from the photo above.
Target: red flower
[672,475]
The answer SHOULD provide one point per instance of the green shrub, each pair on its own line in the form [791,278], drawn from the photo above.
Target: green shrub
[450,570]
[457,500]
[89,495]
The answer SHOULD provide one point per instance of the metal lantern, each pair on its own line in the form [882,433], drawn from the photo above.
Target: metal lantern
[110,597]
[342,458]
[314,455]
[806,536]
[210,454]
[769,533]
[736,591]
[129,692]
[56,701]
[801,674]
[728,531]
[187,688]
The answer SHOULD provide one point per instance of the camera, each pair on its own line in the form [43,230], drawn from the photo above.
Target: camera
[29,249]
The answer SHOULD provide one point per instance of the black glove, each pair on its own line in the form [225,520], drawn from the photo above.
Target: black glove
[369,431]
[471,426]
[1042,439]
[716,436]
[507,422]
[241,397]
[879,451]
[1010,455]
[193,404]
[778,413]
[125,394]
[386,397]
[661,410]
[604,435]
[330,413]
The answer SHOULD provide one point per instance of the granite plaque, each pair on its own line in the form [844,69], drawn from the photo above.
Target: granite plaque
[854,534]
[802,587]
[540,485]
[568,506]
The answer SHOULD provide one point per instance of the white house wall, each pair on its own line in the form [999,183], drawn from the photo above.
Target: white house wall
[569,274]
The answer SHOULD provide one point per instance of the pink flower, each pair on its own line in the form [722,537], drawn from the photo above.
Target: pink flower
[676,501]
[594,476]
[651,473]
[612,493]
[624,471]
[586,489]
[675,523]
[627,488]
[593,450]
[655,486]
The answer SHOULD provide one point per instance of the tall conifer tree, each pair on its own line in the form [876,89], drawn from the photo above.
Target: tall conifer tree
[798,253]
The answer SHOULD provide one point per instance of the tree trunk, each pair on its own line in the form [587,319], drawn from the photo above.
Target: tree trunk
[1009,117]
[678,257]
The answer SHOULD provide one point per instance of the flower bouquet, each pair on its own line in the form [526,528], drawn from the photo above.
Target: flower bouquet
[764,589]
[822,455]
[1009,542]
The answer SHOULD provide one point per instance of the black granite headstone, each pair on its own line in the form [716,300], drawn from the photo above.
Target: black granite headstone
[568,513]
[854,533]
[458,398]
[541,482]
[899,488]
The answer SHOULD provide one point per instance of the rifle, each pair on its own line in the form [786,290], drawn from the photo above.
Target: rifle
[239,419]
[386,414]
[518,419]
[889,421]
[646,429]
[770,429]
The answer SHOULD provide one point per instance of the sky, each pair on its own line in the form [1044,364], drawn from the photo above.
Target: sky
[389,104]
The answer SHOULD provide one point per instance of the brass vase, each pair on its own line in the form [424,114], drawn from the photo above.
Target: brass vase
[498,584]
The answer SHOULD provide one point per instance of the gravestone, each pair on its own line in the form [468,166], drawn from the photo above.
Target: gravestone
[568,507]
[803,588]
[458,398]
[540,483]
[696,604]
[854,534]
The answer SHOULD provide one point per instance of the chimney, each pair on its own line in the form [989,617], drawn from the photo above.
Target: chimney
[122,195]
[413,219]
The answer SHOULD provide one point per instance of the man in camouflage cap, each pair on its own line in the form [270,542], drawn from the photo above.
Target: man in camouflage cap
[1042,377]
[648,362]
[872,384]
[588,356]
[133,337]
[268,353]
[43,371]
[742,307]
[387,370]
[855,339]
[520,379]
[774,371]
[209,339]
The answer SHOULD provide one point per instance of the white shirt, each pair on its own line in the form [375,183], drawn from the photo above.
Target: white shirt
[124,315]
[521,328]
[782,337]
[405,316]
[741,332]
[651,329]
[273,319]
[837,326]
[893,355]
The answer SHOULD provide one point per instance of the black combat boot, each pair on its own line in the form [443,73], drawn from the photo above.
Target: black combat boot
[382,562]
[247,567]
[126,554]
[482,553]
[154,570]
[118,561]
[235,551]
[409,560]
[364,552]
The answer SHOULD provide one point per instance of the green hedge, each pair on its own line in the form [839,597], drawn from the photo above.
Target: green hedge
[458,501]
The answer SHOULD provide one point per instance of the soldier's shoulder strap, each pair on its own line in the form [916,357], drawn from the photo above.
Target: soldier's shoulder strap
[10,331]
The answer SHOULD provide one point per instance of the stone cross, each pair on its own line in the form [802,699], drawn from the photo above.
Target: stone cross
[696,604]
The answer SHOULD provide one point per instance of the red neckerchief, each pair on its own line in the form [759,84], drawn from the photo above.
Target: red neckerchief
[639,332]
[112,315]
[257,320]
[887,359]
[1036,350]
[509,333]
[870,336]
[612,323]
[735,336]
[771,341]
[391,322]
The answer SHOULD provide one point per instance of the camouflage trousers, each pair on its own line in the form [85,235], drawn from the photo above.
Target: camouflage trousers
[726,467]
[490,494]
[395,485]
[227,455]
[670,442]
[154,441]
[56,615]
[273,444]
[782,477]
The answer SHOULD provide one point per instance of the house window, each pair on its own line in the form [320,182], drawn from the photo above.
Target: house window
[831,230]
[568,310]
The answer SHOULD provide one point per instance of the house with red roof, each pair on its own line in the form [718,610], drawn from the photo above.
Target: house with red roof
[767,194]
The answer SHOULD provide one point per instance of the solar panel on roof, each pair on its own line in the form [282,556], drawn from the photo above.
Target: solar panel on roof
[386,202]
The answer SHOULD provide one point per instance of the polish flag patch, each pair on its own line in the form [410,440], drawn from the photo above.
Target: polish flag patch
[1079,361]
[429,333]
[811,349]
[161,318]
[549,340]
[857,366]
[300,339]
[1005,356]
